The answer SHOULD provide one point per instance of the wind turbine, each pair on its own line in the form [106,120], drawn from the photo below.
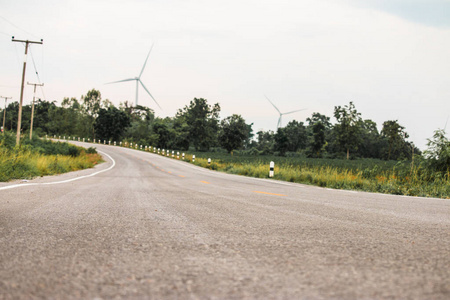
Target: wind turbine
[281,114]
[138,80]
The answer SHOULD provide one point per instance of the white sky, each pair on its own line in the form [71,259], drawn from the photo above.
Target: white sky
[390,57]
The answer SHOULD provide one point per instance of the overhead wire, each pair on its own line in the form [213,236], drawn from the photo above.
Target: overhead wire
[5,33]
[11,23]
[37,73]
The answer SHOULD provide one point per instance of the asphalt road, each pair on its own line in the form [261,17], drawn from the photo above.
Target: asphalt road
[144,226]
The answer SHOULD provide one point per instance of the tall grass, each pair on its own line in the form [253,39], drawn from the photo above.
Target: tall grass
[27,161]
[391,177]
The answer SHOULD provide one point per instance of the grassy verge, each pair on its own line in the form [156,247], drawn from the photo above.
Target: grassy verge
[399,178]
[39,158]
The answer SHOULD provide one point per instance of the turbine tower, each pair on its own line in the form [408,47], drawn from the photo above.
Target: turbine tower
[281,114]
[138,80]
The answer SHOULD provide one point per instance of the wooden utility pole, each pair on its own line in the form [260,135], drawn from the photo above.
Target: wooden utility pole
[4,113]
[32,107]
[19,120]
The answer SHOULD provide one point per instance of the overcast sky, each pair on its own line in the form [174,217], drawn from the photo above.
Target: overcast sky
[390,57]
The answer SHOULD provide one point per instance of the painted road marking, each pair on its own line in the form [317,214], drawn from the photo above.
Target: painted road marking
[206,182]
[266,193]
[181,176]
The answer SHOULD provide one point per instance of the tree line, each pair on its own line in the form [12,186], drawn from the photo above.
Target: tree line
[198,126]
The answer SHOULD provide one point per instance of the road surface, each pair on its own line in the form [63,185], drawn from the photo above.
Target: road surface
[145,226]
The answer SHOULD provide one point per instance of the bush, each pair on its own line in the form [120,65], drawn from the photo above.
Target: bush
[91,150]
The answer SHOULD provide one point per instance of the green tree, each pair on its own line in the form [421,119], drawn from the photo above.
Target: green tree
[371,143]
[348,127]
[64,120]
[318,139]
[296,135]
[164,135]
[233,132]
[395,135]
[181,133]
[319,134]
[140,129]
[438,152]
[91,104]
[281,141]
[203,122]
[266,141]
[111,123]
[317,117]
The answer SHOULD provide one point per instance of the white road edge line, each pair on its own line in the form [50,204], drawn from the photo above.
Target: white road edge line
[64,181]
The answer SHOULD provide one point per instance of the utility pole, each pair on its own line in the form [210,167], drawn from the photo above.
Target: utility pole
[4,112]
[19,121]
[32,106]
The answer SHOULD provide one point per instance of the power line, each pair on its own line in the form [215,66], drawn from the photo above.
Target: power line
[11,23]
[5,33]
[37,74]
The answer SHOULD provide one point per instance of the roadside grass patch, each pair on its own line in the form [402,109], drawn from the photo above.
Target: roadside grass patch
[371,175]
[42,157]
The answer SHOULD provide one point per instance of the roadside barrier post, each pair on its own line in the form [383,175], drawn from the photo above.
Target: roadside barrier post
[178,155]
[183,156]
[272,166]
[209,162]
[193,158]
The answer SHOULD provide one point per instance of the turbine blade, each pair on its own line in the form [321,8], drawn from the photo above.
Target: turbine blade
[142,71]
[129,79]
[293,111]
[149,93]
[273,104]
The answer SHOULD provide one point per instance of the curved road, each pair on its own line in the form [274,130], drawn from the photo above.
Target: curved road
[146,226]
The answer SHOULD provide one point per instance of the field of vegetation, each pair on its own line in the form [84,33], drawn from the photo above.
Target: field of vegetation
[372,175]
[37,157]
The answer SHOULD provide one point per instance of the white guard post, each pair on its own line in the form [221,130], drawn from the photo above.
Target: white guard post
[272,166]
